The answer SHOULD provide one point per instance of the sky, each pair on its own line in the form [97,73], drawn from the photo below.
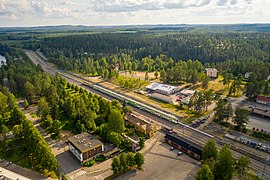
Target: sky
[132,12]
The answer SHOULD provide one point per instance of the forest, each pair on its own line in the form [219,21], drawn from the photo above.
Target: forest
[96,54]
[61,105]
[176,57]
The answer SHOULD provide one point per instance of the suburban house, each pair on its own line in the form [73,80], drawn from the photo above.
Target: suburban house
[85,147]
[211,72]
[183,144]
[141,124]
[162,88]
[263,100]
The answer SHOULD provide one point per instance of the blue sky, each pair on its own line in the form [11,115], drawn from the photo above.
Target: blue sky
[122,12]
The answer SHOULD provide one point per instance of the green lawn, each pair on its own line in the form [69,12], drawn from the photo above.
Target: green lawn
[14,152]
[33,115]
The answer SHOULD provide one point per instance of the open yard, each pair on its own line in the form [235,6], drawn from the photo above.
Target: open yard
[161,163]
[140,75]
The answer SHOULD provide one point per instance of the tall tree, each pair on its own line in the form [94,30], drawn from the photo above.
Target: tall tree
[116,165]
[139,160]
[228,111]
[146,77]
[223,169]
[205,82]
[156,74]
[210,150]
[116,121]
[56,126]
[3,103]
[123,162]
[43,108]
[29,91]
[130,159]
[242,166]
[4,130]
[220,109]
[17,116]
[204,173]
[241,118]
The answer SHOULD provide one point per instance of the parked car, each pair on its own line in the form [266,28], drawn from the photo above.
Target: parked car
[263,147]
[172,148]
[179,153]
[202,120]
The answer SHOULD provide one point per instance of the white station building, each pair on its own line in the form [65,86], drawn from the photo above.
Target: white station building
[162,88]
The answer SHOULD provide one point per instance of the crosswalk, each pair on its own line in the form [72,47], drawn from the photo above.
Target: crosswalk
[80,173]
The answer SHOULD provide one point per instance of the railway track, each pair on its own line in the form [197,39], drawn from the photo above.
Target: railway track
[201,136]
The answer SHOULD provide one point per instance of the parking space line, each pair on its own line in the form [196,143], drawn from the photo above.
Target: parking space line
[80,173]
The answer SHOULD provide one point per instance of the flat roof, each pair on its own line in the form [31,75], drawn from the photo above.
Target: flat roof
[211,69]
[187,91]
[84,141]
[176,136]
[162,87]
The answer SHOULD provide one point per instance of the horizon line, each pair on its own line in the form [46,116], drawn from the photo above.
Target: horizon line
[148,24]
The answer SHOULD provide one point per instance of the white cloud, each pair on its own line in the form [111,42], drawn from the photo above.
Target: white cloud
[133,5]
[109,12]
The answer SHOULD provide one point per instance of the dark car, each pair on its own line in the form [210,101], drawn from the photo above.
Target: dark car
[202,121]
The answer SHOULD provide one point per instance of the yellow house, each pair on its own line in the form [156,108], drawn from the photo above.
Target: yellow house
[141,124]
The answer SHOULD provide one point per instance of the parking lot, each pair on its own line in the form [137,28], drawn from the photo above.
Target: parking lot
[258,122]
[163,163]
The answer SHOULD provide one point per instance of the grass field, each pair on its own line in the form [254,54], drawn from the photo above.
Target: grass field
[15,153]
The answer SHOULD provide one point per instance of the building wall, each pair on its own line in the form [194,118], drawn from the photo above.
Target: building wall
[262,102]
[92,152]
[183,149]
[165,99]
[211,73]
[76,152]
[148,132]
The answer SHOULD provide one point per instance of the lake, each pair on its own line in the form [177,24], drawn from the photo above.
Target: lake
[2,60]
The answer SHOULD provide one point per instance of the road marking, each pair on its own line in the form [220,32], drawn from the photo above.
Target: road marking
[99,177]
[80,173]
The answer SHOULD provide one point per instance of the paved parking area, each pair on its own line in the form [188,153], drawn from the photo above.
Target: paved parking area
[258,122]
[161,163]
[11,175]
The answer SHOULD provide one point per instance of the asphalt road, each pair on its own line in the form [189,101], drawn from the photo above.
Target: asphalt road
[259,166]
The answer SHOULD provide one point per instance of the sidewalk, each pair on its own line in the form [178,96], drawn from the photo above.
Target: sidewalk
[11,175]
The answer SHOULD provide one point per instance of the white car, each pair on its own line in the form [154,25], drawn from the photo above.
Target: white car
[179,153]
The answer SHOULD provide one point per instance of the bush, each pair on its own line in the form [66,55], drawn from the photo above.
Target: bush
[89,163]
[261,135]
[225,124]
[100,158]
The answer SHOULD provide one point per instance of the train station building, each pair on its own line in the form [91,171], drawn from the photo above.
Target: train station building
[184,145]
[162,88]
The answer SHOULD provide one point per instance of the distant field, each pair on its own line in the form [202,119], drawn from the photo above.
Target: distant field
[140,75]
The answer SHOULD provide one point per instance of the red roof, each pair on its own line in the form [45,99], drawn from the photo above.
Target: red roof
[262,98]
